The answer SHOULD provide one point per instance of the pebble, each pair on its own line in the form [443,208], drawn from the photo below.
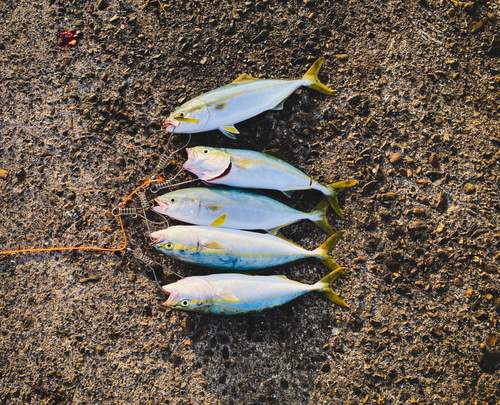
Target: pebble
[414,350]
[261,36]
[3,174]
[433,160]
[395,158]
[476,26]
[417,225]
[489,268]
[469,188]
[120,161]
[95,277]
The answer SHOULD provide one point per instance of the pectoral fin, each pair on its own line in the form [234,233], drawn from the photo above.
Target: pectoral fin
[229,296]
[229,131]
[245,164]
[219,221]
[288,193]
[213,245]
[221,106]
[214,207]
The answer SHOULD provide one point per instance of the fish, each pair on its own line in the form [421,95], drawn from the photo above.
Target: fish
[240,100]
[234,249]
[242,294]
[250,169]
[236,209]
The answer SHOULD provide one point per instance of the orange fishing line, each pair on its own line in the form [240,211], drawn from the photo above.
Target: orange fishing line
[90,247]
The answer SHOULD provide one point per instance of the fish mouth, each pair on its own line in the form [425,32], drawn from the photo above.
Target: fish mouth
[172,124]
[158,240]
[162,206]
[224,173]
[172,298]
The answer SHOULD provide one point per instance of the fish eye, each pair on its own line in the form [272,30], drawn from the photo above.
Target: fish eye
[173,199]
[169,245]
[185,303]
[205,151]
[182,114]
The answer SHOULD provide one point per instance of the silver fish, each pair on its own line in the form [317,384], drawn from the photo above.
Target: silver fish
[236,209]
[244,98]
[238,294]
[251,169]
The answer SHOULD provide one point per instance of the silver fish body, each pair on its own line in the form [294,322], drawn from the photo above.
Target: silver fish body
[241,209]
[250,169]
[239,294]
[244,98]
[232,249]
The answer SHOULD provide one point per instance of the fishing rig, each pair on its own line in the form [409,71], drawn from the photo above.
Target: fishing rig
[154,184]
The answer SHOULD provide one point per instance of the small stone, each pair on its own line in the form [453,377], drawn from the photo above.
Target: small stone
[261,36]
[78,23]
[95,277]
[476,26]
[132,277]
[100,350]
[341,57]
[433,160]
[489,268]
[3,174]
[103,4]
[442,253]
[440,228]
[395,158]
[414,350]
[115,18]
[457,281]
[120,161]
[58,191]
[442,202]
[417,225]
[469,188]
[491,17]
[492,339]
[384,214]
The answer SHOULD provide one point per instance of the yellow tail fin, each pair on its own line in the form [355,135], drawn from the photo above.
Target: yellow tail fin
[322,221]
[327,286]
[325,250]
[312,76]
[336,188]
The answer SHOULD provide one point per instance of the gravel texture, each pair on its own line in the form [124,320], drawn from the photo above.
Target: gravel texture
[415,121]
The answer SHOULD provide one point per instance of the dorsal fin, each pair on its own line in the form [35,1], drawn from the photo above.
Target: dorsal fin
[244,78]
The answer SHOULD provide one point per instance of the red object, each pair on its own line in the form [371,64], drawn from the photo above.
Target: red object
[68,38]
